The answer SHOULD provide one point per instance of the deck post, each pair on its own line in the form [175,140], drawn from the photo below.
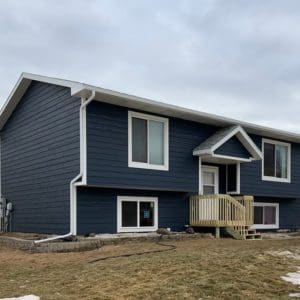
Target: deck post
[217,232]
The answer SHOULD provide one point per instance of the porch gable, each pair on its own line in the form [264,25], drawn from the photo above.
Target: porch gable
[229,144]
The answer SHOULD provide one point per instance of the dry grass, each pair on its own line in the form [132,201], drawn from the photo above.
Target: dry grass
[207,269]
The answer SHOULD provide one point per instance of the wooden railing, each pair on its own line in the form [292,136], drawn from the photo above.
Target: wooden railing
[247,202]
[220,211]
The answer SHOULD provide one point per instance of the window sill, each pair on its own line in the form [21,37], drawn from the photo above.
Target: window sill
[262,226]
[148,166]
[276,179]
[135,229]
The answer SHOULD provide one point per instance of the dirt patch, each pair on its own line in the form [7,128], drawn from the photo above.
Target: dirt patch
[198,268]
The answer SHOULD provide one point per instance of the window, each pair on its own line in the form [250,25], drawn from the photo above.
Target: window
[148,141]
[276,161]
[266,215]
[136,214]
[210,177]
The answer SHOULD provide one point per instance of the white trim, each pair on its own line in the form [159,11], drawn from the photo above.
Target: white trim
[135,102]
[83,140]
[228,157]
[244,139]
[215,170]
[79,89]
[238,180]
[137,199]
[79,179]
[270,226]
[200,177]
[20,88]
[271,178]
[165,121]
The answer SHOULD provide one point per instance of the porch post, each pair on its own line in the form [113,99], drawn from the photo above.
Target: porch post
[200,177]
[217,232]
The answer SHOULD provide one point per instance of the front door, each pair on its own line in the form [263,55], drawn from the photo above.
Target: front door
[210,180]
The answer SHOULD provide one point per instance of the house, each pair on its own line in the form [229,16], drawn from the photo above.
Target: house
[77,159]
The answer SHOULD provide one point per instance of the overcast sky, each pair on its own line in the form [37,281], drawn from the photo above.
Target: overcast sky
[236,58]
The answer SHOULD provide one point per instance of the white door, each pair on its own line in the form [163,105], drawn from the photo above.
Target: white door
[210,180]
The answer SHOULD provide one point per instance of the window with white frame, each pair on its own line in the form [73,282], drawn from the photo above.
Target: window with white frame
[276,163]
[266,215]
[148,143]
[137,214]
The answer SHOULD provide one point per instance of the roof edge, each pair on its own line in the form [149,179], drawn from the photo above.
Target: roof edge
[84,90]
[20,88]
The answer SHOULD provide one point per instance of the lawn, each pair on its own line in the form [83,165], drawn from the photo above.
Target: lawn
[196,269]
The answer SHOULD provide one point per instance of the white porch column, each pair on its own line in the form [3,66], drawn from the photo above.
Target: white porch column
[200,177]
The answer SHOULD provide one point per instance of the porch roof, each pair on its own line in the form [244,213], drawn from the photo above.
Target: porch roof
[209,146]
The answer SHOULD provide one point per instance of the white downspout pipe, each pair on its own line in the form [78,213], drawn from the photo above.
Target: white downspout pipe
[74,182]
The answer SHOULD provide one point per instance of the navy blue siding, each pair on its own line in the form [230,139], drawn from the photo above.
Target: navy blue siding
[233,147]
[251,176]
[39,156]
[289,211]
[97,209]
[107,152]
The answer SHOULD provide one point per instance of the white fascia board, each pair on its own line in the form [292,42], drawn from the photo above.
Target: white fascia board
[20,88]
[202,152]
[225,139]
[113,97]
[232,158]
[244,138]
[249,144]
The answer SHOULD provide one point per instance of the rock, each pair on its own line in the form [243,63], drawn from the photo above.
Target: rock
[283,230]
[70,238]
[163,231]
[190,230]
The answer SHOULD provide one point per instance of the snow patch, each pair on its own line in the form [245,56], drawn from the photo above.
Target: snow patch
[294,295]
[27,297]
[286,253]
[293,278]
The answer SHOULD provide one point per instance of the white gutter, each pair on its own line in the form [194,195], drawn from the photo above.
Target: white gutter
[82,174]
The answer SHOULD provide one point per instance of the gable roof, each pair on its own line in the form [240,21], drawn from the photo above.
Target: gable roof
[210,145]
[84,90]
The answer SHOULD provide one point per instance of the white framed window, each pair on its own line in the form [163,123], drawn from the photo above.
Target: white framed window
[148,141]
[276,162]
[210,180]
[137,214]
[266,215]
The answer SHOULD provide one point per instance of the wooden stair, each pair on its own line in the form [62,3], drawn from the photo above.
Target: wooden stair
[243,233]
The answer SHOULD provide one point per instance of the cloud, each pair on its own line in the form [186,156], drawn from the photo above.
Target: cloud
[234,58]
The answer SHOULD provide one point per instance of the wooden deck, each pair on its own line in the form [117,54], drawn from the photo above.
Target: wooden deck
[221,210]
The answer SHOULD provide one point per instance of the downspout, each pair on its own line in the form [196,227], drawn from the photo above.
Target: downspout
[82,174]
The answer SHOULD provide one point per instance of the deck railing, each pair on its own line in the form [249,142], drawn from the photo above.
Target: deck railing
[220,210]
[247,202]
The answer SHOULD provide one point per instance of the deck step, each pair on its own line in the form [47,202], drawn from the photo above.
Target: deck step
[250,231]
[256,236]
[243,234]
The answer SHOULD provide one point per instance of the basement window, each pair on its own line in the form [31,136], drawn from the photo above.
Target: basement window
[266,215]
[137,214]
